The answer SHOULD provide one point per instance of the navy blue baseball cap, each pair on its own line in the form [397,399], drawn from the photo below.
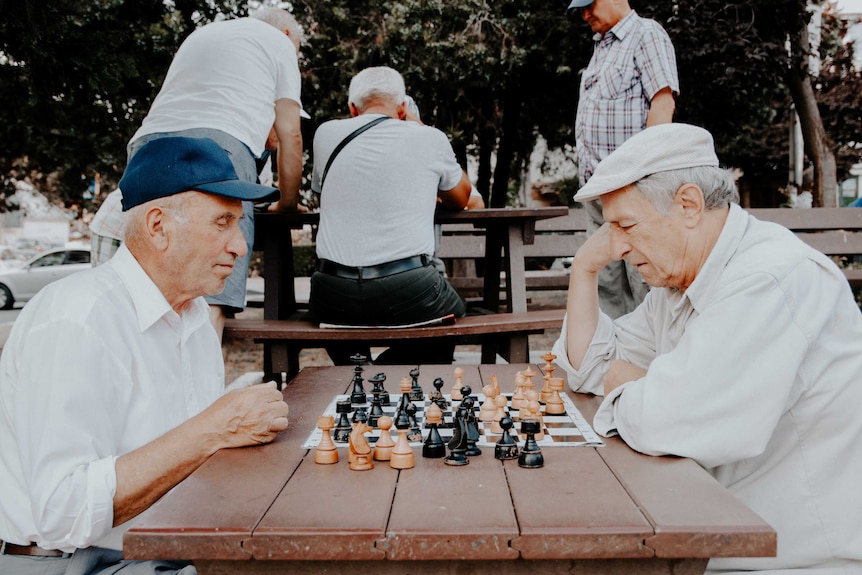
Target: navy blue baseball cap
[171,165]
[577,5]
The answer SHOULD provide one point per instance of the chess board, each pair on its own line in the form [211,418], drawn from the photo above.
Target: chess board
[569,430]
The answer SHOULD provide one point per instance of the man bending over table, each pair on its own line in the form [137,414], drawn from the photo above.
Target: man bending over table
[745,355]
[111,382]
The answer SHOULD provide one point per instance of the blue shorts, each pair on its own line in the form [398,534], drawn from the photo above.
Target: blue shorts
[233,295]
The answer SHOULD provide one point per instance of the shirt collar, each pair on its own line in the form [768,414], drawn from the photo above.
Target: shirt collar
[701,290]
[622,28]
[150,304]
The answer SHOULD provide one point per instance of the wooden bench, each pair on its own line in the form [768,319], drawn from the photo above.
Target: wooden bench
[498,333]
[835,232]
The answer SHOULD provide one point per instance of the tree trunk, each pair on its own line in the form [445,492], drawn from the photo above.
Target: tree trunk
[817,144]
[512,105]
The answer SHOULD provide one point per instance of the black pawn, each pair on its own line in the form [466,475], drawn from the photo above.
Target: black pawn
[434,446]
[376,411]
[402,420]
[437,395]
[342,428]
[458,443]
[415,433]
[472,424]
[506,448]
[416,393]
[531,455]
[377,387]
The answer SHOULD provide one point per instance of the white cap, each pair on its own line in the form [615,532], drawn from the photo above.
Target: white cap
[656,149]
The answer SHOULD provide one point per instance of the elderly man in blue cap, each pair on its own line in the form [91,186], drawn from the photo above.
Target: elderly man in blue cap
[744,356]
[112,382]
[630,83]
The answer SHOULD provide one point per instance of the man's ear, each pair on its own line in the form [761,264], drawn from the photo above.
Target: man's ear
[689,198]
[354,111]
[156,230]
[401,110]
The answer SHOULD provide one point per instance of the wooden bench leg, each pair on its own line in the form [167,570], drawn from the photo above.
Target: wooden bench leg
[278,358]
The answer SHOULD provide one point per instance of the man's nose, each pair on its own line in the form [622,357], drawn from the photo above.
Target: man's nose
[237,245]
[619,243]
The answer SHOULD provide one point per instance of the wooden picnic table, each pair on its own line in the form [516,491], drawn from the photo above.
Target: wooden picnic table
[608,509]
[508,231]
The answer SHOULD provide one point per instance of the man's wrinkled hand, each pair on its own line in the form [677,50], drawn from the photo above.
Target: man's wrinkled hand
[596,252]
[251,416]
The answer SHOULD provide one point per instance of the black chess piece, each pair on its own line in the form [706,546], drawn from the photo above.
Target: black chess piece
[458,443]
[415,433]
[376,411]
[342,428]
[416,393]
[402,419]
[377,387]
[358,396]
[437,396]
[434,446]
[531,455]
[472,423]
[506,448]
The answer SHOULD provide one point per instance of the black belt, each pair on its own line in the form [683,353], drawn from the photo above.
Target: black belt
[372,272]
[31,550]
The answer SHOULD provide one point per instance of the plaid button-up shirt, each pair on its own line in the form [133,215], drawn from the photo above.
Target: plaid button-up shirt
[631,63]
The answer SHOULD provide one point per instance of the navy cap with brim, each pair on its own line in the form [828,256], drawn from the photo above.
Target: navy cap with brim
[174,164]
[578,4]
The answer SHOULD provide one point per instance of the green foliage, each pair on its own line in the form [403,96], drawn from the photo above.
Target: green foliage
[76,78]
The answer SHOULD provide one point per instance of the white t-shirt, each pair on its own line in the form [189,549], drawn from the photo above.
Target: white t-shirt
[97,365]
[380,193]
[755,372]
[227,76]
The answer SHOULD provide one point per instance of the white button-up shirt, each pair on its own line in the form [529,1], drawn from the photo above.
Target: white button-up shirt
[97,365]
[755,372]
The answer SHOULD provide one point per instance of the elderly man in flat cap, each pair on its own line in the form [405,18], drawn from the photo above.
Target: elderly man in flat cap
[746,355]
[111,383]
[630,83]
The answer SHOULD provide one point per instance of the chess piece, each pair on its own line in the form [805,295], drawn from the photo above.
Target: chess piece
[416,393]
[360,450]
[534,409]
[326,451]
[377,387]
[549,373]
[358,397]
[500,401]
[437,394]
[384,444]
[342,425]
[555,405]
[528,382]
[531,455]
[376,409]
[402,456]
[458,443]
[415,433]
[506,448]
[518,395]
[471,421]
[404,388]
[488,407]
[434,446]
[455,393]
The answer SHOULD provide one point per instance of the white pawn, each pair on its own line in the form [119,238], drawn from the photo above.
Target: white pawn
[455,392]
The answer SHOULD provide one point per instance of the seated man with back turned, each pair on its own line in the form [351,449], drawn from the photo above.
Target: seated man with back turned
[378,193]
[112,382]
[745,355]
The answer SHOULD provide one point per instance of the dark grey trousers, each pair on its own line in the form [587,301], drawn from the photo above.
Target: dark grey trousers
[91,561]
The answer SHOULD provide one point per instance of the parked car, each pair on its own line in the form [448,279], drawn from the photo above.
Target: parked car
[21,284]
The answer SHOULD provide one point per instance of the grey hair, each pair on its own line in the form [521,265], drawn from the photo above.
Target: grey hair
[136,217]
[718,186]
[281,19]
[377,83]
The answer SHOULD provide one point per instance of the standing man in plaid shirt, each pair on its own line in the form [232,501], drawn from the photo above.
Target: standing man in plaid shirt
[630,83]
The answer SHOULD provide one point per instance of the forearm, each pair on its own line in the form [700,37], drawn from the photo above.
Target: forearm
[147,473]
[661,108]
[289,172]
[582,310]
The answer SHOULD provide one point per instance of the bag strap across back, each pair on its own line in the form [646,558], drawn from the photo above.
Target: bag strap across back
[346,141]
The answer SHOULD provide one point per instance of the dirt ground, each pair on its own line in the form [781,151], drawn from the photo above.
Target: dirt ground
[243,355]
